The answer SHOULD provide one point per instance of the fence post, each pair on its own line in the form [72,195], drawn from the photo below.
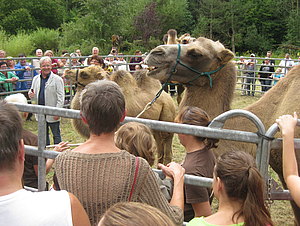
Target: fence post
[41,145]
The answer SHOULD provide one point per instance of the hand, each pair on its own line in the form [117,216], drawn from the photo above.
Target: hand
[14,79]
[27,68]
[173,170]
[31,93]
[61,146]
[55,117]
[287,123]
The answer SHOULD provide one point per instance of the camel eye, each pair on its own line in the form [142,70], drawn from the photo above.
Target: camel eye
[193,53]
[84,75]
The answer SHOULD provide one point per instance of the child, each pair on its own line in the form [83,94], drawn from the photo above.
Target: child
[137,139]
[199,161]
[277,75]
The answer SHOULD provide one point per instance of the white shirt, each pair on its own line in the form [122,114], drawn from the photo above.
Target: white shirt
[28,208]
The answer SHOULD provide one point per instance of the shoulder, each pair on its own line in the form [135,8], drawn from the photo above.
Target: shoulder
[198,221]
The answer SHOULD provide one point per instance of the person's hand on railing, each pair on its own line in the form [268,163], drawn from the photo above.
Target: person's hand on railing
[61,146]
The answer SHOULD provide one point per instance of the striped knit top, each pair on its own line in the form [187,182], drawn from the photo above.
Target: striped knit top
[101,180]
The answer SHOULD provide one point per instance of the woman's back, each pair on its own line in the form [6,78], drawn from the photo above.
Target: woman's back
[102,180]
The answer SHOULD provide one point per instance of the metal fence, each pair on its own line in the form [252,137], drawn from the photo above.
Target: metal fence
[249,82]
[215,130]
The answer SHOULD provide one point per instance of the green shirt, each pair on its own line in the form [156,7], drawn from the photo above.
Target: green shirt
[7,86]
[200,221]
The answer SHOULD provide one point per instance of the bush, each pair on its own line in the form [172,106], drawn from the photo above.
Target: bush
[45,38]
[20,43]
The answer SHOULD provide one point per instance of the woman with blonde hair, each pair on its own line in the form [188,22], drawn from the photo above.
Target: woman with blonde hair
[134,214]
[137,139]
[239,187]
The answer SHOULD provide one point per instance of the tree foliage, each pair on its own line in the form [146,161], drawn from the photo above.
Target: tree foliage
[242,25]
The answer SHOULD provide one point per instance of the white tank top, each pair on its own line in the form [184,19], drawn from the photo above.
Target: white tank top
[35,209]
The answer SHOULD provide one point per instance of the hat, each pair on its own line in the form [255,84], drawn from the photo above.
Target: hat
[252,55]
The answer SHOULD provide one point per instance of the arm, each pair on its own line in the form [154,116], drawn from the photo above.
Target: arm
[150,193]
[202,209]
[59,148]
[79,216]
[60,92]
[175,171]
[287,125]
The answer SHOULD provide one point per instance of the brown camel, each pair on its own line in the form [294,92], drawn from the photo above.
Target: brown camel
[205,55]
[138,92]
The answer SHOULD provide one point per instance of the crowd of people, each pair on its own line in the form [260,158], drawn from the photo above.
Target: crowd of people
[17,76]
[108,179]
[250,71]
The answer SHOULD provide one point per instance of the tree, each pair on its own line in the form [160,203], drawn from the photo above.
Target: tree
[147,23]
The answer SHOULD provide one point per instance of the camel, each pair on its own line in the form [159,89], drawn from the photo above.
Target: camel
[206,55]
[138,92]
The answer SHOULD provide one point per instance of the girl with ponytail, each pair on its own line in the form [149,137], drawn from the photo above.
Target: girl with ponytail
[239,187]
[199,161]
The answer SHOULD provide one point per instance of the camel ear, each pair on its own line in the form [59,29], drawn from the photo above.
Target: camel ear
[225,56]
[99,76]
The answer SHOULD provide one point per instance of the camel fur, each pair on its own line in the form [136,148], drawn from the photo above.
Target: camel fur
[138,92]
[206,55]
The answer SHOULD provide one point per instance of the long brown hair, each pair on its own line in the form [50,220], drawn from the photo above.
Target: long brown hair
[196,116]
[242,181]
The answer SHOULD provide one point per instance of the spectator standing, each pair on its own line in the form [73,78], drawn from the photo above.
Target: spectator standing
[8,77]
[36,62]
[121,63]
[96,60]
[239,187]
[48,90]
[199,161]
[11,64]
[269,55]
[137,139]
[277,76]
[30,175]
[250,70]
[265,75]
[286,63]
[101,174]
[81,60]
[55,63]
[135,60]
[2,55]
[21,207]
[25,73]
[95,52]
[241,63]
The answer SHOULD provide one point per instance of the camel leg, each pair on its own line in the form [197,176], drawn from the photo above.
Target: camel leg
[160,146]
[167,142]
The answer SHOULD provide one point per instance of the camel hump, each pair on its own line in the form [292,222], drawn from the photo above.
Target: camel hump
[123,78]
[146,82]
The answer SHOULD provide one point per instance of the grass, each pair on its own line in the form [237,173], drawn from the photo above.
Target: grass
[280,210]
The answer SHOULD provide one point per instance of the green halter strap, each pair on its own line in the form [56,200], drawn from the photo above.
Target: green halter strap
[178,61]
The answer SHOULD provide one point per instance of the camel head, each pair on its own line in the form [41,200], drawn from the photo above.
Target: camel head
[203,55]
[86,75]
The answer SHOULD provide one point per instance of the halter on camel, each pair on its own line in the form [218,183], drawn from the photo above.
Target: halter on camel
[77,82]
[173,71]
